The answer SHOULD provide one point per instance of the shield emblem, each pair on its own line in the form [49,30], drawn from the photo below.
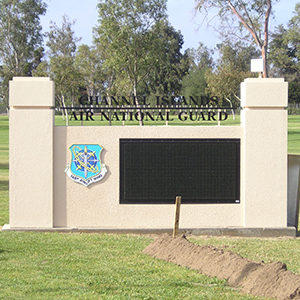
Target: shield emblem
[86,166]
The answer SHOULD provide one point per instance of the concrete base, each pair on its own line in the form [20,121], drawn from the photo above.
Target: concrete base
[232,231]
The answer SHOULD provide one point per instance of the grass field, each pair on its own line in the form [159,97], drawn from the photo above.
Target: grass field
[294,134]
[101,266]
[3,170]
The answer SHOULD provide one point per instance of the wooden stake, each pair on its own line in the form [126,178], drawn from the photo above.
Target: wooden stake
[177,214]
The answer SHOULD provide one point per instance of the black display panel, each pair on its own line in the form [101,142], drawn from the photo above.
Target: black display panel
[155,171]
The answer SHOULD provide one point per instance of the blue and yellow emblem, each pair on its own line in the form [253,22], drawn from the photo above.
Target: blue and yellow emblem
[86,167]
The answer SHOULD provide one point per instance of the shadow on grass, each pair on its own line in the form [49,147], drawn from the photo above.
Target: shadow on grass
[294,133]
[4,166]
[3,185]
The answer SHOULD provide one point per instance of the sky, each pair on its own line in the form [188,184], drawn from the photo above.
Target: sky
[181,13]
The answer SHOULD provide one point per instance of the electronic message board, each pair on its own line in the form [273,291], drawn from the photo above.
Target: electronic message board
[155,171]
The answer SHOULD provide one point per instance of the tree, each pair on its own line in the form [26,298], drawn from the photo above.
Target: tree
[200,61]
[285,54]
[89,63]
[252,16]
[42,70]
[232,68]
[20,39]
[62,49]
[124,30]
[166,75]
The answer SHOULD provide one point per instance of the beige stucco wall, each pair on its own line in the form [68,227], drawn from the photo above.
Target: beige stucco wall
[264,152]
[98,205]
[42,196]
[31,153]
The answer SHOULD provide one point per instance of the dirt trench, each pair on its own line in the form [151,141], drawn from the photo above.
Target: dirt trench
[269,280]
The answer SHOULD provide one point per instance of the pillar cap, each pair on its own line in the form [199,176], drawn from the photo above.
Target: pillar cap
[264,92]
[30,79]
[31,92]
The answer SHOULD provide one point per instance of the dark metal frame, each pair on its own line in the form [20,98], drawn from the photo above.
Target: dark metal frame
[194,201]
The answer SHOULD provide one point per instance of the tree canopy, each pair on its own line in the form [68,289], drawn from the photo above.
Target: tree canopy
[171,65]
[137,52]
[232,68]
[240,16]
[285,47]
[200,60]
[20,39]
[124,30]
[285,54]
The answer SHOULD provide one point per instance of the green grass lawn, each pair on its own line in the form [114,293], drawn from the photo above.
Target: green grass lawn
[3,170]
[96,266]
[294,134]
[101,266]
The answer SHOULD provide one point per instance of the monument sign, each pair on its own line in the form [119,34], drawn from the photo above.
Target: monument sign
[127,177]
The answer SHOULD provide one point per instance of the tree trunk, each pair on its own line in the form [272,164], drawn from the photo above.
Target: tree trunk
[232,110]
[264,48]
[60,107]
[263,45]
[264,57]
[137,102]
[65,110]
[7,111]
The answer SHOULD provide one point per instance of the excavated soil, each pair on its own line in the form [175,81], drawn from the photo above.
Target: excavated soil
[259,279]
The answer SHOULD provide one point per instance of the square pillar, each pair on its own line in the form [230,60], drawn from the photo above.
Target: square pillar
[31,120]
[264,152]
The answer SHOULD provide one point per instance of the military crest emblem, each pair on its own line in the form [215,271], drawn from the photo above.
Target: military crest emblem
[86,167]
